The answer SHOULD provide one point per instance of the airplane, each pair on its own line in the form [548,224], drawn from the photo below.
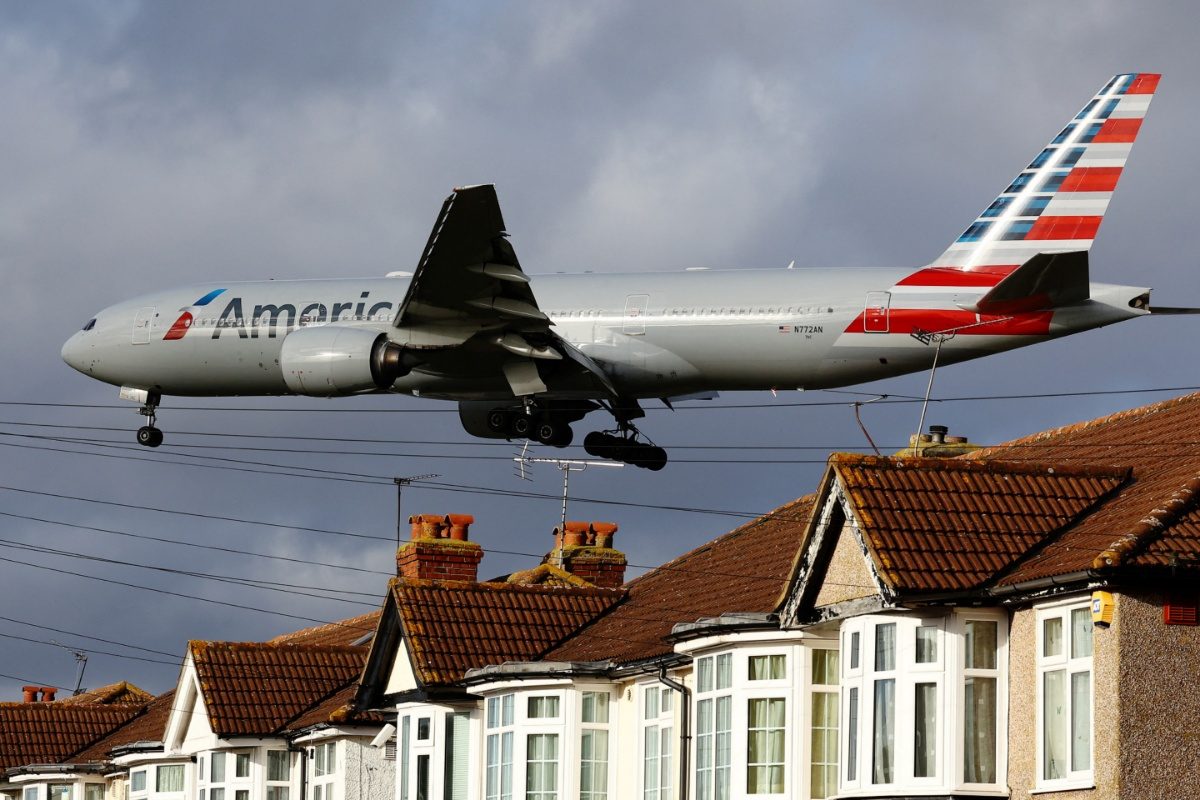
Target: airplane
[527,357]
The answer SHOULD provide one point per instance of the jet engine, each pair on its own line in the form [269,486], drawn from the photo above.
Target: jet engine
[329,360]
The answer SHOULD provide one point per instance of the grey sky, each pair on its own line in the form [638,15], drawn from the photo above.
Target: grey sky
[149,144]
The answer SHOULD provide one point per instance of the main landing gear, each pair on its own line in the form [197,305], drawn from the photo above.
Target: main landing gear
[623,445]
[148,435]
[548,426]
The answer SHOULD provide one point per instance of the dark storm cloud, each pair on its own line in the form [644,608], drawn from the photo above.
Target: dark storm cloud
[149,144]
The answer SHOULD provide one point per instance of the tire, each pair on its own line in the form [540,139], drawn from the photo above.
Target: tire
[148,436]
[522,425]
[498,420]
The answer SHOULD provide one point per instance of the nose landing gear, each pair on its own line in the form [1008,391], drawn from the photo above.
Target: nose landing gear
[148,435]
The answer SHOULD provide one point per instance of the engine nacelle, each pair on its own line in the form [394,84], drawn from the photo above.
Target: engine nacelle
[328,360]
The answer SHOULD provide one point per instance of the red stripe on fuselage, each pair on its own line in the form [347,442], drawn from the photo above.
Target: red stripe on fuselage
[180,327]
[1091,179]
[1064,228]
[931,320]
[986,276]
[1118,130]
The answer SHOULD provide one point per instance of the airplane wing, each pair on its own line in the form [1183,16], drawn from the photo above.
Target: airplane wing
[470,293]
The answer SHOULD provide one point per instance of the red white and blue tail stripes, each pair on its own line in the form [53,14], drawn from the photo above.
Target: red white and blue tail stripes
[1059,200]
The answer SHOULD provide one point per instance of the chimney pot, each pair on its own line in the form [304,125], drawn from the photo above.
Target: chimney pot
[460,526]
[956,440]
[937,433]
[574,534]
[31,693]
[48,693]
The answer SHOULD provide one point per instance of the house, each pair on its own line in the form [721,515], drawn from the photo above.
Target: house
[1015,622]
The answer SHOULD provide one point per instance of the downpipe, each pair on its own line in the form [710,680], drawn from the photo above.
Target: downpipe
[685,728]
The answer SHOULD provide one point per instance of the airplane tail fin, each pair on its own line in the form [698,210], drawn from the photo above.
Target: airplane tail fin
[1057,203]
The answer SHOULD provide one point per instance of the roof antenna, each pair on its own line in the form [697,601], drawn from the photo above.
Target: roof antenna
[400,484]
[856,405]
[80,658]
[567,465]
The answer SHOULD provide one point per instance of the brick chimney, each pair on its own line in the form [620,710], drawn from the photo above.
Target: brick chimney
[585,549]
[439,549]
[938,444]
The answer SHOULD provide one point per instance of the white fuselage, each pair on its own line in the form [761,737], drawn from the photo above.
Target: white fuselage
[653,334]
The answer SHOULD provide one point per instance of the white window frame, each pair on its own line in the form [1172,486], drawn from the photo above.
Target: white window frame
[714,692]
[505,716]
[948,674]
[286,783]
[320,775]
[606,727]
[803,780]
[1071,666]
[656,716]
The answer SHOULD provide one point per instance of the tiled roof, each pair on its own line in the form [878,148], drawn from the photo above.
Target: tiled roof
[148,726]
[934,524]
[454,626]
[122,692]
[745,570]
[337,709]
[1153,520]
[47,733]
[344,632]
[256,688]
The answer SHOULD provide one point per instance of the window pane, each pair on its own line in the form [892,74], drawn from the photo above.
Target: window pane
[60,791]
[169,778]
[885,647]
[981,644]
[1081,632]
[137,781]
[31,793]
[768,668]
[852,736]
[650,756]
[1052,643]
[277,793]
[241,767]
[277,765]
[216,794]
[765,745]
[927,644]
[979,730]
[593,767]
[543,707]
[854,650]
[93,791]
[218,767]
[493,712]
[884,731]
[724,671]
[704,676]
[650,707]
[595,707]
[423,729]
[244,794]
[925,730]
[823,769]
[541,766]
[507,704]
[825,667]
[1081,718]
[405,732]
[704,750]
[723,748]
[1054,725]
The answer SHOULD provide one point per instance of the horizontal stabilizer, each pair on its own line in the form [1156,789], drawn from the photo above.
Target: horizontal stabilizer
[1048,280]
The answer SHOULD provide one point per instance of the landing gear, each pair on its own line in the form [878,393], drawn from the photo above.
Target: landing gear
[148,435]
[623,446]
[546,424]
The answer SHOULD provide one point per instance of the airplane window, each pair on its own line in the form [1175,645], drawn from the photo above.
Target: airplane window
[91,323]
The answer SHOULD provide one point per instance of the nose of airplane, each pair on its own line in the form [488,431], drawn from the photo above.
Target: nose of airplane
[72,351]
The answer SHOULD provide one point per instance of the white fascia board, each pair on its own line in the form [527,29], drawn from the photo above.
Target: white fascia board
[724,640]
[533,682]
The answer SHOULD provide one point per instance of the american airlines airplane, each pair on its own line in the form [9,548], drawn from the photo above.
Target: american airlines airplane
[528,357]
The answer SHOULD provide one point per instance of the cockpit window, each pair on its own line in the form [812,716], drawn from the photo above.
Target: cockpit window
[91,323]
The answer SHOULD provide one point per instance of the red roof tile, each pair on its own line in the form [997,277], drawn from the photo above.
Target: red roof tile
[454,626]
[745,570]
[256,688]
[934,524]
[48,733]
[1153,520]
[337,709]
[149,725]
[343,632]
[121,692]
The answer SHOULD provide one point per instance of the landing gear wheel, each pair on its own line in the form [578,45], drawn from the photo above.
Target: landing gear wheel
[625,449]
[522,426]
[498,419]
[149,436]
[553,433]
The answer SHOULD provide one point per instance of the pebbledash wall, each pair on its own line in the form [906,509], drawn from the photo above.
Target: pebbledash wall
[369,773]
[1145,701]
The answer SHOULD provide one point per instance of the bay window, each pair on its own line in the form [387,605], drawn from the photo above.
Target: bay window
[498,775]
[823,731]
[1064,666]
[323,775]
[279,768]
[904,680]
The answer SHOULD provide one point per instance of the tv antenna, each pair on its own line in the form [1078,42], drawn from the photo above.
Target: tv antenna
[400,484]
[81,659]
[567,466]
